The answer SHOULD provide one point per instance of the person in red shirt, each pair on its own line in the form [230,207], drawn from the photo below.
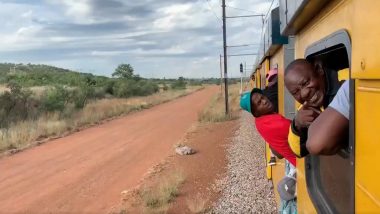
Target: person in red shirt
[273,127]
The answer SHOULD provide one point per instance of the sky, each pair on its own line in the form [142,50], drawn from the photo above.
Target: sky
[159,38]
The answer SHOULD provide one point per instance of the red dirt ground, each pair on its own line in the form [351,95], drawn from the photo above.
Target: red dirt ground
[205,167]
[86,171]
[200,170]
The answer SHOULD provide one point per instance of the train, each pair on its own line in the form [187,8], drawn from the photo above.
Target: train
[343,35]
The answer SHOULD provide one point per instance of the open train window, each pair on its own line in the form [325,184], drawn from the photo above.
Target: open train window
[330,179]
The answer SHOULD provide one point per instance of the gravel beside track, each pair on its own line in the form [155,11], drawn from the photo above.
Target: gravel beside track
[245,188]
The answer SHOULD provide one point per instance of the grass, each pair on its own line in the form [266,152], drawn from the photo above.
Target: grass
[23,134]
[215,111]
[156,199]
[197,204]
[37,90]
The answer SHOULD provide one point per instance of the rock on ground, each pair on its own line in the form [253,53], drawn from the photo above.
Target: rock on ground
[184,150]
[245,188]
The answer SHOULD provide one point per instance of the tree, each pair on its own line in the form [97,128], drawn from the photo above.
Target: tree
[123,71]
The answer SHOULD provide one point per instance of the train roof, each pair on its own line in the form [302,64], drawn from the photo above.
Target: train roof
[271,39]
[295,14]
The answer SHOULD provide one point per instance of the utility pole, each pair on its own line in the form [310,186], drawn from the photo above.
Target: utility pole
[221,75]
[225,55]
[225,48]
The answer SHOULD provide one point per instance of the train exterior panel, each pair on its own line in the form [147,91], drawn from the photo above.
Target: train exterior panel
[367,105]
[344,34]
[278,170]
[276,55]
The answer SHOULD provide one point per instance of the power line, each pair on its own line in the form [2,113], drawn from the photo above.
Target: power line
[236,8]
[247,54]
[242,45]
[265,17]
[225,47]
[232,17]
[213,12]
[270,7]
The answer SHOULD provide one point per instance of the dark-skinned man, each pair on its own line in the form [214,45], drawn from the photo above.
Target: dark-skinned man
[314,87]
[272,126]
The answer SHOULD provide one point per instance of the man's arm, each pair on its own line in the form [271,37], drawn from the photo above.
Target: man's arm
[298,130]
[327,132]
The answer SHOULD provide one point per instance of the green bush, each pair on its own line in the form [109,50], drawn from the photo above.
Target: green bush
[109,87]
[147,88]
[99,93]
[121,89]
[55,99]
[17,104]
[79,98]
[179,84]
[129,88]
[81,95]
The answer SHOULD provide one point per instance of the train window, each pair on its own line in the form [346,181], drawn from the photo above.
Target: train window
[330,179]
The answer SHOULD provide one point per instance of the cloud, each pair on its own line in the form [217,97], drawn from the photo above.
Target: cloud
[172,37]
[27,14]
[180,16]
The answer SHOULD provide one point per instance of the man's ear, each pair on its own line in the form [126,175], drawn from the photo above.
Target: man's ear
[318,67]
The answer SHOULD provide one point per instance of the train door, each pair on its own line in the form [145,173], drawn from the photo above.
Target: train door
[330,179]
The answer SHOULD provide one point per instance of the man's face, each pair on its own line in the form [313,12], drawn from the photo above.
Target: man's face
[306,85]
[261,105]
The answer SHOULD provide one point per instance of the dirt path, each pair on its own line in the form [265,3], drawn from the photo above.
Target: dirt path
[85,172]
[200,171]
[204,168]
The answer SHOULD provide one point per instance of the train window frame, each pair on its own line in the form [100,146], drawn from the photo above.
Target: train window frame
[275,66]
[339,39]
[289,101]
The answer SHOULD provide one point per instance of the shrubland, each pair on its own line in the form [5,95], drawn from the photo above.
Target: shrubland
[39,101]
